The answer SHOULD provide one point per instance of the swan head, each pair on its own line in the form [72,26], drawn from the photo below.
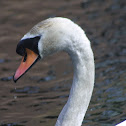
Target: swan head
[47,37]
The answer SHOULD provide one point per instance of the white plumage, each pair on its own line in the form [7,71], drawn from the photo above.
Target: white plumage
[59,34]
[122,123]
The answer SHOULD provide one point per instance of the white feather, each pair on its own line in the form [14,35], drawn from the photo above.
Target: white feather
[62,34]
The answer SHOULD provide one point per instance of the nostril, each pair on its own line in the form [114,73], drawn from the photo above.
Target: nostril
[25,57]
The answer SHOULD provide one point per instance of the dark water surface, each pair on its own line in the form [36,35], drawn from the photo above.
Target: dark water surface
[38,97]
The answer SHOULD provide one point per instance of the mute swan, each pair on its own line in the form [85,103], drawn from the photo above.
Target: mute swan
[53,35]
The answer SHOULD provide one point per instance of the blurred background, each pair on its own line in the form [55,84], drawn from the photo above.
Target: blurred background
[38,97]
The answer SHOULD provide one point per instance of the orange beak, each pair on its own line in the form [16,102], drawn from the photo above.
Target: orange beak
[27,62]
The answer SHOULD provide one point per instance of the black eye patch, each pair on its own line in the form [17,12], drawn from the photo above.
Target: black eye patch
[30,43]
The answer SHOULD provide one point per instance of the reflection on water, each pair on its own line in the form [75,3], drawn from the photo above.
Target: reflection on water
[11,124]
[6,78]
[2,61]
[50,76]
[27,89]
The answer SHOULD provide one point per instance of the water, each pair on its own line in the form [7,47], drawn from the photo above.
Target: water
[38,97]
[36,100]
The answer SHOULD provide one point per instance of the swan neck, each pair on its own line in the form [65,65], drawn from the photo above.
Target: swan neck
[82,87]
